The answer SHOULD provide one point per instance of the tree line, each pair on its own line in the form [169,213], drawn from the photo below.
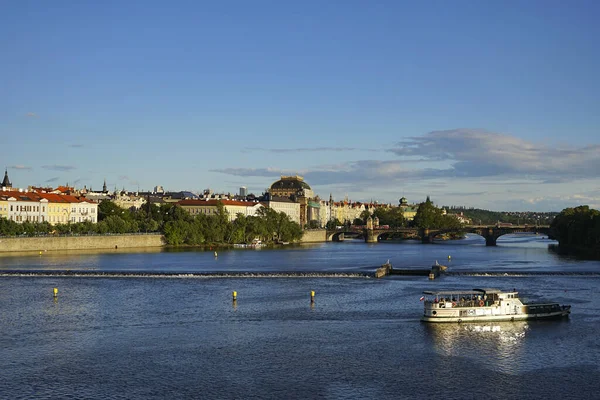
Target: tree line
[578,231]
[177,225]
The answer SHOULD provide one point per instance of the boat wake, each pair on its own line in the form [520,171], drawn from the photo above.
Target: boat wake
[181,275]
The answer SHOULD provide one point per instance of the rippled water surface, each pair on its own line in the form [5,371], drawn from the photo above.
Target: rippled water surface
[140,334]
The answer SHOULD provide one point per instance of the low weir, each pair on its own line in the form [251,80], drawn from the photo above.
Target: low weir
[387,269]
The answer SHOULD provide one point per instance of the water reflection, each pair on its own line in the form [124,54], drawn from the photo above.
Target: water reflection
[503,342]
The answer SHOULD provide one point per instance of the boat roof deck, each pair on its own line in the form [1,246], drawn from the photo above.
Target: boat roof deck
[462,291]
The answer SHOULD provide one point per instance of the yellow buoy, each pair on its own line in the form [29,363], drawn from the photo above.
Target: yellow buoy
[234,294]
[55,292]
[449,257]
[312,296]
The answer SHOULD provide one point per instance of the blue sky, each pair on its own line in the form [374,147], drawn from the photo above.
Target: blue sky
[486,104]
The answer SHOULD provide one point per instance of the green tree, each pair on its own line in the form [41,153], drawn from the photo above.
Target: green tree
[577,227]
[332,224]
[427,215]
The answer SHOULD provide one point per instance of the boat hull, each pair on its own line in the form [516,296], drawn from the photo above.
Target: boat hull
[496,318]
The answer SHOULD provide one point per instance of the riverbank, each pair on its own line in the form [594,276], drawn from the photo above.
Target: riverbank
[585,253]
[82,242]
[21,245]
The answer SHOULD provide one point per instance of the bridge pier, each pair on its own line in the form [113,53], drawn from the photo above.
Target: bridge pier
[490,241]
[370,237]
[490,237]
[425,238]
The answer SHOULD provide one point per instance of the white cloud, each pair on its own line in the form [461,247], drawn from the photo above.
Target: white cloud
[62,168]
[461,167]
[21,167]
[478,153]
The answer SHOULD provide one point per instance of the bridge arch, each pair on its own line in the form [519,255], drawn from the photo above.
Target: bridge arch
[340,235]
[489,233]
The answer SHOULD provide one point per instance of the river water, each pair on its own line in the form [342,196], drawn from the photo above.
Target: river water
[162,324]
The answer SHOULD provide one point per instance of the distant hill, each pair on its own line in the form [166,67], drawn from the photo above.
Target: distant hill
[486,217]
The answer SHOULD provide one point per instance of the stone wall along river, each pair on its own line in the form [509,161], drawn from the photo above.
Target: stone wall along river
[52,243]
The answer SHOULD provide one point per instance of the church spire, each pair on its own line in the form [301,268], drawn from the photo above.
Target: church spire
[104,190]
[6,182]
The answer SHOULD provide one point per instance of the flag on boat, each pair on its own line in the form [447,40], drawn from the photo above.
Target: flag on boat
[422,298]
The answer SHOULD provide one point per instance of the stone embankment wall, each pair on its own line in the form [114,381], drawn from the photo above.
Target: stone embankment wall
[314,236]
[53,243]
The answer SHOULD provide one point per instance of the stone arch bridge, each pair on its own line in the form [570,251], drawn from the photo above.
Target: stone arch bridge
[489,233]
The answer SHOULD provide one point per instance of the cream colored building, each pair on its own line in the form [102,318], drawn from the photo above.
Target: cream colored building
[408,210]
[3,206]
[284,205]
[25,206]
[64,209]
[129,201]
[209,207]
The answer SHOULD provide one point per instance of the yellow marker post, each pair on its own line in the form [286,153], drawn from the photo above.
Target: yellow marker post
[449,257]
[55,292]
[234,294]
[312,296]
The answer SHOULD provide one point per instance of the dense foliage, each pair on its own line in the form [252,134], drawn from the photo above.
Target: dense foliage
[486,217]
[578,229]
[431,217]
[390,216]
[178,226]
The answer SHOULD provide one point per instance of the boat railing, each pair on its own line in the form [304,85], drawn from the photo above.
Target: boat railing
[458,304]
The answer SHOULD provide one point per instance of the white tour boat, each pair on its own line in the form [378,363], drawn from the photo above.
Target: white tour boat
[485,305]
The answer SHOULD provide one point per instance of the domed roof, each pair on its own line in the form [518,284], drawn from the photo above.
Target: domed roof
[290,183]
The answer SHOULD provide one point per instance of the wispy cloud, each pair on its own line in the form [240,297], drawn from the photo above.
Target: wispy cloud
[306,149]
[56,178]
[458,164]
[264,172]
[62,168]
[464,153]
[77,146]
[31,115]
[478,153]
[21,167]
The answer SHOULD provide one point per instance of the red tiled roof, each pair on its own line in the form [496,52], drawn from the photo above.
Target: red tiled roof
[197,203]
[32,196]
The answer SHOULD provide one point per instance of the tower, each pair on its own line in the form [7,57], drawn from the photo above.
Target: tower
[104,189]
[6,182]
[331,207]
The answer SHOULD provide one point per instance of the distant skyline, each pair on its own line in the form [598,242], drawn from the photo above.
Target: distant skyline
[493,105]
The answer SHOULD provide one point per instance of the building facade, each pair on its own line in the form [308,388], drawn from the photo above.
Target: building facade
[408,210]
[294,188]
[283,205]
[26,206]
[210,207]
